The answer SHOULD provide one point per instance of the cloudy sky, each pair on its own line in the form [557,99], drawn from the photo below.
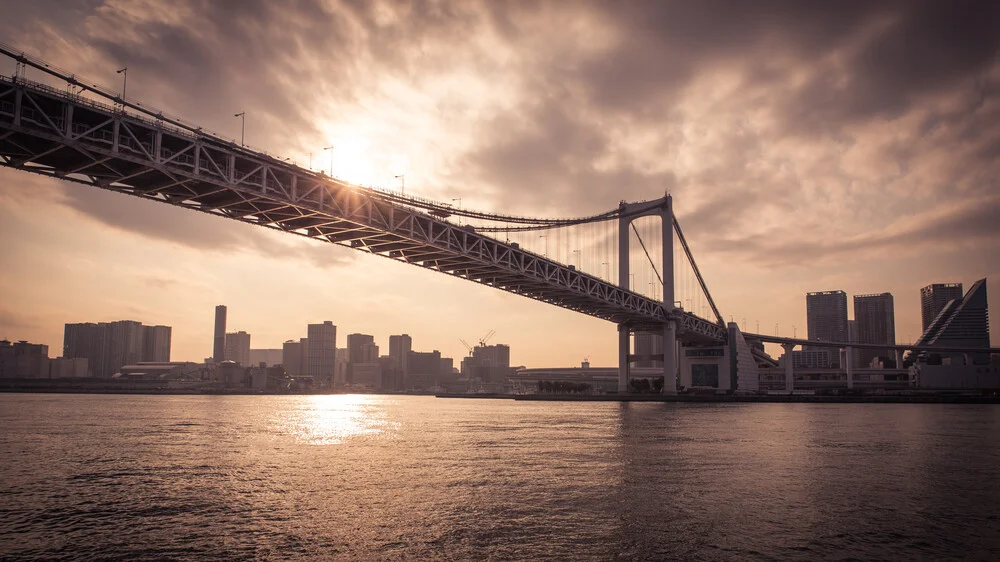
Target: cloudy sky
[809,146]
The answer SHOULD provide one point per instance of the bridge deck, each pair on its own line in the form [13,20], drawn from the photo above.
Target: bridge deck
[76,138]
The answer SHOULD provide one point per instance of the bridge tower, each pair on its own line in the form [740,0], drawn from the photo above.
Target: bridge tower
[630,212]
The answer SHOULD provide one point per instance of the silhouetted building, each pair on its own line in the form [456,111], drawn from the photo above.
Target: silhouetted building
[424,370]
[399,351]
[963,323]
[88,340]
[648,343]
[67,368]
[269,357]
[219,348]
[875,317]
[321,353]
[933,299]
[291,358]
[391,375]
[490,363]
[361,350]
[156,343]
[23,360]
[238,348]
[826,317]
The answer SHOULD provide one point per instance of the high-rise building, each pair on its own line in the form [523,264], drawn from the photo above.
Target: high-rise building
[875,318]
[219,349]
[424,370]
[87,340]
[399,351]
[963,323]
[291,358]
[488,363]
[361,350]
[933,299]
[648,343]
[238,348]
[826,317]
[321,353]
[124,345]
[156,343]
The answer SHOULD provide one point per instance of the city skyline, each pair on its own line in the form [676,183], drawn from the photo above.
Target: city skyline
[83,253]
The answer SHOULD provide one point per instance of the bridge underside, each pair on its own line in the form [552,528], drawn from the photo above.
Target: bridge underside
[69,137]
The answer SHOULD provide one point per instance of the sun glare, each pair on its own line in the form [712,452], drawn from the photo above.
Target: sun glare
[334,419]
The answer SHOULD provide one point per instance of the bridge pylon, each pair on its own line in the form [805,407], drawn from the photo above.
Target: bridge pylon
[662,208]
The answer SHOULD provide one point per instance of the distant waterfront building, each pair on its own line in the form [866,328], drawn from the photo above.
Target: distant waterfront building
[962,323]
[489,363]
[291,358]
[23,360]
[219,347]
[66,368]
[875,318]
[425,370]
[156,344]
[89,341]
[826,317]
[340,368]
[321,353]
[648,343]
[124,344]
[399,351]
[933,299]
[238,348]
[361,350]
[270,357]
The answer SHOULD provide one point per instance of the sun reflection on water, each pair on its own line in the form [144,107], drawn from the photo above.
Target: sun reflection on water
[334,419]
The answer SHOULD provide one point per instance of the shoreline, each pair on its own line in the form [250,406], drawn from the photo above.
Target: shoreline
[924,398]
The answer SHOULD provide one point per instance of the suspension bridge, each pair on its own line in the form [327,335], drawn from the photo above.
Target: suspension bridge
[620,265]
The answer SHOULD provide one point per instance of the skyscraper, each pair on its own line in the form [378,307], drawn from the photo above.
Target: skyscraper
[219,349]
[87,340]
[399,350]
[238,348]
[963,323]
[156,343]
[933,299]
[291,358]
[875,318]
[826,317]
[321,353]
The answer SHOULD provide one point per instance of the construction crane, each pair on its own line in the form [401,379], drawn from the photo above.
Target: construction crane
[467,346]
[483,340]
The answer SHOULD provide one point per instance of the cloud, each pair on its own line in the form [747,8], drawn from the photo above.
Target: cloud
[790,133]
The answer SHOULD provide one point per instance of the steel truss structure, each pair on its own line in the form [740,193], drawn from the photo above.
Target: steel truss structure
[76,138]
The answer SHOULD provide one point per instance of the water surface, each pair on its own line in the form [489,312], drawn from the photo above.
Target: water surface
[387,477]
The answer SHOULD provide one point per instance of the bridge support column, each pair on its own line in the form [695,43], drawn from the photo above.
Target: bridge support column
[670,330]
[789,367]
[624,343]
[670,357]
[849,361]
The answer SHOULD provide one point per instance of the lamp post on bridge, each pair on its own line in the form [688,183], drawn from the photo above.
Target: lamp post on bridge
[243,126]
[546,254]
[578,261]
[402,183]
[330,148]
[124,72]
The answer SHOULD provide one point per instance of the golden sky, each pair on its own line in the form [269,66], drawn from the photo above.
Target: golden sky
[808,146]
